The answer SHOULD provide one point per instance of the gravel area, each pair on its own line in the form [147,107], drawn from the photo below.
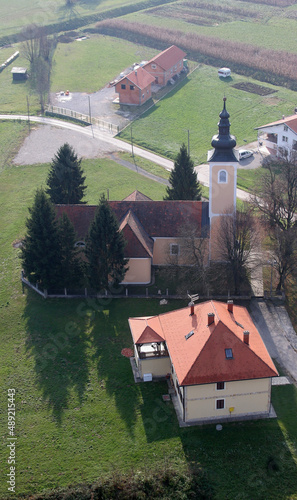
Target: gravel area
[44,141]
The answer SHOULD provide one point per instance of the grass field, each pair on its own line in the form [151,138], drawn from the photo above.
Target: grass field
[18,13]
[13,96]
[89,65]
[195,106]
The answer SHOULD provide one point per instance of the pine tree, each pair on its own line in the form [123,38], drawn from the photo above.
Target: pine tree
[183,179]
[41,248]
[65,179]
[105,249]
[70,261]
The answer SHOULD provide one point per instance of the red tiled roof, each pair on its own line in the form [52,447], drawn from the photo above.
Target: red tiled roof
[290,121]
[201,358]
[139,77]
[168,58]
[132,230]
[158,218]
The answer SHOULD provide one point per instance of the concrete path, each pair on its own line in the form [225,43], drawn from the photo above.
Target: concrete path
[275,327]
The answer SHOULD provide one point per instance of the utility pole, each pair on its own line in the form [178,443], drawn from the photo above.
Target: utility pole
[188,142]
[132,142]
[91,116]
[28,112]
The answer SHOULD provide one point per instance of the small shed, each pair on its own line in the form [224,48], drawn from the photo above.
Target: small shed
[19,74]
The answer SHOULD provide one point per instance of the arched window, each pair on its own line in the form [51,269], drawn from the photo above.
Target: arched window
[223,177]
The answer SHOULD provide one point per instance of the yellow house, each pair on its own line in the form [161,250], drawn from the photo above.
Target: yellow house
[214,356]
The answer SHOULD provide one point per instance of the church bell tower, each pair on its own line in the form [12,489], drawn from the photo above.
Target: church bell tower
[223,162]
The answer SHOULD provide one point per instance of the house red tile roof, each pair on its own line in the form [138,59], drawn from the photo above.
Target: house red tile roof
[290,121]
[139,77]
[201,359]
[168,58]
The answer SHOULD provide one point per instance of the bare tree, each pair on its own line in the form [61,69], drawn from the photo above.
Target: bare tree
[237,244]
[30,44]
[276,199]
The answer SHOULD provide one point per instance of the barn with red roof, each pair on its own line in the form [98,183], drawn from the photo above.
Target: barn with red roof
[216,359]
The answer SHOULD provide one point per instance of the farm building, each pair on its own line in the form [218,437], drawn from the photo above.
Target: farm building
[166,65]
[215,358]
[19,74]
[135,88]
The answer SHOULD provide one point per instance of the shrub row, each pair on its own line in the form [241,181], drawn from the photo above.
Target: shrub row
[276,67]
[165,483]
[80,21]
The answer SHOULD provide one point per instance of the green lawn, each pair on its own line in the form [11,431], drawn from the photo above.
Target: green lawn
[13,95]
[89,65]
[195,105]
[18,13]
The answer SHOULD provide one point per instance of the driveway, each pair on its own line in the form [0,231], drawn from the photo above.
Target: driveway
[275,327]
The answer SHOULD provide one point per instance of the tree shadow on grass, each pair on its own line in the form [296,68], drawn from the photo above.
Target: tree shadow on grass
[159,417]
[57,342]
[109,335]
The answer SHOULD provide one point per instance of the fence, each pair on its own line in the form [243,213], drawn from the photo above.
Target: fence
[109,127]
[124,293]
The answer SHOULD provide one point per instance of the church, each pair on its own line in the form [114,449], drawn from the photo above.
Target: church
[156,231]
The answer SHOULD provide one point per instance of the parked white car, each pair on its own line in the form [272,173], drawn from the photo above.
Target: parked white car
[245,153]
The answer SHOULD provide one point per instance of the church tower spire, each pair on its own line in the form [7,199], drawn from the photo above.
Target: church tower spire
[223,143]
[223,162]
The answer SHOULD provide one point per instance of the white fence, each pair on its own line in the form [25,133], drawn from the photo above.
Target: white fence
[109,127]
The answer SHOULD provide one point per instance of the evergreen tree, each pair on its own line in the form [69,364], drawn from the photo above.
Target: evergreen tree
[71,265]
[105,249]
[65,179]
[41,248]
[183,179]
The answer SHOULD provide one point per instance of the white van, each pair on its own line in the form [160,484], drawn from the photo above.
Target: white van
[224,72]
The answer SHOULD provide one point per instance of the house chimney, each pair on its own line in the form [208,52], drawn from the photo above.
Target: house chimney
[230,306]
[246,337]
[136,72]
[210,319]
[191,305]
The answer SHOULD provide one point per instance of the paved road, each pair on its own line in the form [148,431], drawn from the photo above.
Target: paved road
[106,143]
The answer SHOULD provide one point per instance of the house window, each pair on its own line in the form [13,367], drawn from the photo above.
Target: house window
[131,87]
[220,386]
[123,86]
[174,249]
[154,66]
[285,139]
[286,128]
[223,177]
[220,404]
[142,96]
[229,353]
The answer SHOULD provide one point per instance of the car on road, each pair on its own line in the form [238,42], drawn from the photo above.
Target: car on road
[245,153]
